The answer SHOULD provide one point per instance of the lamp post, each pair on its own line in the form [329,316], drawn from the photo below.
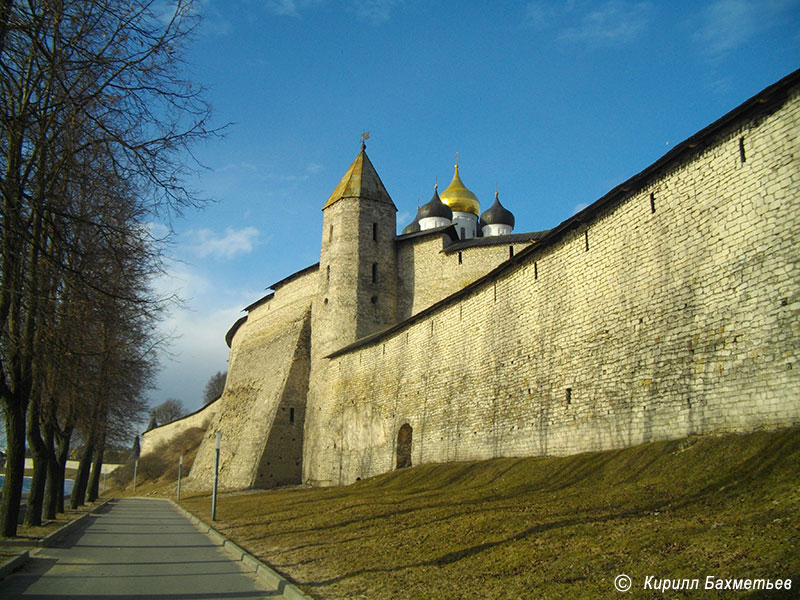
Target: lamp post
[137,449]
[216,477]
[180,469]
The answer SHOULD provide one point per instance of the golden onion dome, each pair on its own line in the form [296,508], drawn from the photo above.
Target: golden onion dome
[459,198]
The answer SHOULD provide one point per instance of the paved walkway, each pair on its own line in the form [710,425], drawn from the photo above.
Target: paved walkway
[134,549]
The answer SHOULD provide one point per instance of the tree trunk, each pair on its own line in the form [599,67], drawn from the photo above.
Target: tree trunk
[62,454]
[97,469]
[78,497]
[54,479]
[15,469]
[33,512]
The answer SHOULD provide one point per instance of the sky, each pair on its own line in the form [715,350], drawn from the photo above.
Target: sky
[551,103]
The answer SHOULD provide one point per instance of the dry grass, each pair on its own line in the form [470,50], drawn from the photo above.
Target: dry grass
[727,506]
[157,472]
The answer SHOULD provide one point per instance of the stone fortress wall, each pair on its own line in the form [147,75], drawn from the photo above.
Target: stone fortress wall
[152,439]
[261,412]
[670,307]
[431,267]
[667,308]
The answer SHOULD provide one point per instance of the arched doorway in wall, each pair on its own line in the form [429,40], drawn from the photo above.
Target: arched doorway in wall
[404,446]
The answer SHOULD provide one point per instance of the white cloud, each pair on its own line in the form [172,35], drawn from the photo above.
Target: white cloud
[611,23]
[197,351]
[206,242]
[197,328]
[157,231]
[182,283]
[727,24]
[314,168]
[240,166]
[291,8]
[215,24]
[543,15]
[375,12]
[268,173]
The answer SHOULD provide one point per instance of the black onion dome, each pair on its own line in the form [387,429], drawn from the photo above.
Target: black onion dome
[496,214]
[435,208]
[412,227]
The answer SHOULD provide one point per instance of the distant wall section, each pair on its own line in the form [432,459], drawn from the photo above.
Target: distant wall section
[150,440]
[427,272]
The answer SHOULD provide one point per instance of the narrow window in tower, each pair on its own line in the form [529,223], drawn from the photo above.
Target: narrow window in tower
[328,273]
[652,202]
[536,270]
[569,396]
[586,239]
[374,272]
[459,258]
[741,149]
[375,232]
[463,233]
[511,252]
[330,233]
[291,416]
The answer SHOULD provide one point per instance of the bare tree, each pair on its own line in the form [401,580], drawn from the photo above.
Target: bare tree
[87,88]
[214,387]
[168,411]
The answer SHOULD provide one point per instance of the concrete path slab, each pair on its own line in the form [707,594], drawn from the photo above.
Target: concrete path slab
[134,549]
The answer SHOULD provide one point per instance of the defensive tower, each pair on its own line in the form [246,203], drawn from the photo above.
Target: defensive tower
[357,293]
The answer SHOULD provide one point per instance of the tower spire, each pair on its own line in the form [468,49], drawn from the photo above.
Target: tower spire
[360,181]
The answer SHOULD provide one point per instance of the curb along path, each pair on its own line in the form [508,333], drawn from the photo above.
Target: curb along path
[12,564]
[136,548]
[262,570]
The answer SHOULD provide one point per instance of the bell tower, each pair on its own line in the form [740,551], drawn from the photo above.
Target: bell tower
[357,293]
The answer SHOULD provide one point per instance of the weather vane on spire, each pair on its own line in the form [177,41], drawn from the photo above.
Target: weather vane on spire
[364,138]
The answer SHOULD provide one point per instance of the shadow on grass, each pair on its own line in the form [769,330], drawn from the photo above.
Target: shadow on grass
[727,478]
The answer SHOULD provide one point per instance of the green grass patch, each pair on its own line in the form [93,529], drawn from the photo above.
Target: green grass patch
[564,527]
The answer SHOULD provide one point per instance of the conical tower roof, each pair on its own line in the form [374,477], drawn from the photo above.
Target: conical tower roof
[360,181]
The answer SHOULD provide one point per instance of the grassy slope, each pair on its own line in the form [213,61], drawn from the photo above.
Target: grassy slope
[727,506]
[158,470]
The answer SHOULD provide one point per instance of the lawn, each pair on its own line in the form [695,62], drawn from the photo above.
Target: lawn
[564,527]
